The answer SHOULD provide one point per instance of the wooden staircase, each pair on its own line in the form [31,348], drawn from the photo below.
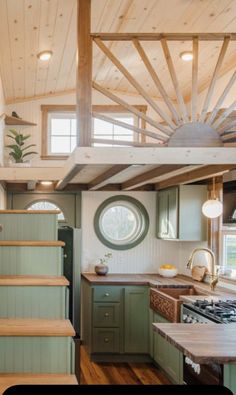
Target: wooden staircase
[36,345]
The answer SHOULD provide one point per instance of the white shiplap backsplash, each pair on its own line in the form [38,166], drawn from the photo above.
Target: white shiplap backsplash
[147,256]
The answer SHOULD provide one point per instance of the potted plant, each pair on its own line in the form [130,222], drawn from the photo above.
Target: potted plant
[101,268]
[18,151]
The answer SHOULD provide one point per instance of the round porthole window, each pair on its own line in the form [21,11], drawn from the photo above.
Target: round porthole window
[121,222]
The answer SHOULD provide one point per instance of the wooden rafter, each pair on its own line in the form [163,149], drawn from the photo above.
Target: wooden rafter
[104,178]
[160,36]
[156,80]
[229,136]
[194,80]
[69,176]
[172,72]
[225,126]
[195,175]
[166,132]
[134,83]
[125,125]
[225,114]
[214,78]
[221,99]
[149,175]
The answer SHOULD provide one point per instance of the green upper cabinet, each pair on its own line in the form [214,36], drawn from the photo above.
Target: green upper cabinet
[136,323]
[179,213]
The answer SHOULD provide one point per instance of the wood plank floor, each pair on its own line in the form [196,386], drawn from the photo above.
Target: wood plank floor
[119,373]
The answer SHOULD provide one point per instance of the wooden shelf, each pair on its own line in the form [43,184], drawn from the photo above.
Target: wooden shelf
[29,243]
[9,120]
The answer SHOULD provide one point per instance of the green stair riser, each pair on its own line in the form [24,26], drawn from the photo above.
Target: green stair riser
[49,302]
[29,260]
[28,227]
[36,355]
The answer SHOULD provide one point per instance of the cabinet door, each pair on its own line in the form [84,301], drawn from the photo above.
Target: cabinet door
[162,214]
[136,320]
[173,213]
[167,213]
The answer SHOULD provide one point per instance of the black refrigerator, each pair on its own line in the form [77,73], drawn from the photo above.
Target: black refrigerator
[71,270]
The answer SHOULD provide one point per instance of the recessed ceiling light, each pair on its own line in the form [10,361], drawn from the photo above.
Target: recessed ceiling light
[44,55]
[186,56]
[46,182]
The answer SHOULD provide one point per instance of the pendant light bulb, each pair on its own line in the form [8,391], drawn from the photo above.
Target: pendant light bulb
[213,207]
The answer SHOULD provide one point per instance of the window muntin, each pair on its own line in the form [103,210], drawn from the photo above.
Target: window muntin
[46,205]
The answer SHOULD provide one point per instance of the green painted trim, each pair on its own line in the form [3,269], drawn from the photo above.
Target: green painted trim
[138,205]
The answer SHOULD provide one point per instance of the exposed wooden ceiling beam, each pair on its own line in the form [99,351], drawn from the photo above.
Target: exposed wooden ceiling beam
[223,116]
[70,175]
[194,175]
[159,36]
[149,175]
[104,178]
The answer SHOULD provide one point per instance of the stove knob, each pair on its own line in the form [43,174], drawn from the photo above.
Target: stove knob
[189,319]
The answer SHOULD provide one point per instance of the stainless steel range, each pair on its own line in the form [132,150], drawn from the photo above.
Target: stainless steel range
[206,311]
[203,311]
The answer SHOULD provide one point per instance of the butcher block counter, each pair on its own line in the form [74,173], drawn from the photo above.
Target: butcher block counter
[202,343]
[153,280]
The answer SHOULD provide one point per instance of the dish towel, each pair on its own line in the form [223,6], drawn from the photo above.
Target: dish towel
[195,366]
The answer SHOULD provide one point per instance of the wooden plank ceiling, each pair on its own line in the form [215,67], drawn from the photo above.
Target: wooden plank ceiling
[30,26]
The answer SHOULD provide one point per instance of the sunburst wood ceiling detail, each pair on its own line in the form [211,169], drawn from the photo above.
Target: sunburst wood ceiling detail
[177,126]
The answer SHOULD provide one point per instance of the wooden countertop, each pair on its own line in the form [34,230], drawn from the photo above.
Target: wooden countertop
[216,343]
[153,280]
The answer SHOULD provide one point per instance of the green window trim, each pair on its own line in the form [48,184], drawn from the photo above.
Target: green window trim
[142,213]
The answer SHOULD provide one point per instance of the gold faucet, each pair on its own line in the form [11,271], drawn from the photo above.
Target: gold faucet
[214,276]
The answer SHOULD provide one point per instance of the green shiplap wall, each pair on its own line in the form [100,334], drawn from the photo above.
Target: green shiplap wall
[36,354]
[28,227]
[47,302]
[31,261]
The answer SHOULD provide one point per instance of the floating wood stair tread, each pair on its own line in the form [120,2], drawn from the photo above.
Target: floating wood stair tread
[8,380]
[9,120]
[30,211]
[34,280]
[35,327]
[29,243]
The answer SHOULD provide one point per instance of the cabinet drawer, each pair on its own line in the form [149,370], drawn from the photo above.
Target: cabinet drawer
[106,314]
[107,293]
[106,340]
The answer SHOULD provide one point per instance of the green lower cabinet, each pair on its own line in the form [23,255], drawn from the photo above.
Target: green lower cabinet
[106,340]
[136,320]
[168,357]
[106,314]
[230,377]
[48,302]
[36,354]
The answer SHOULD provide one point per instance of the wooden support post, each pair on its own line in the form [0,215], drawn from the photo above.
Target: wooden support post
[214,225]
[84,74]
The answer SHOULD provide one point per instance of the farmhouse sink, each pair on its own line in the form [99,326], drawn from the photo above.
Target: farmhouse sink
[165,299]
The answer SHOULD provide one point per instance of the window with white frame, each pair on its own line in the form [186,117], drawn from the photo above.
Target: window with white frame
[61,133]
[59,128]
[229,252]
[46,205]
